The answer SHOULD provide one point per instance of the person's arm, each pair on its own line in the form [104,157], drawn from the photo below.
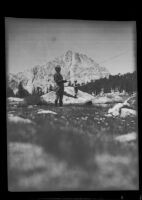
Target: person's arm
[59,80]
[65,81]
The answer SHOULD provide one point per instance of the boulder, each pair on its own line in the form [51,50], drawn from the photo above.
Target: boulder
[127,112]
[14,101]
[25,156]
[117,98]
[131,102]
[127,137]
[107,99]
[80,94]
[115,111]
[41,111]
[68,98]
[30,106]
[124,109]
[101,100]
[16,119]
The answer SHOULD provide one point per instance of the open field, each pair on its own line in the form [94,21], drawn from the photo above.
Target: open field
[74,149]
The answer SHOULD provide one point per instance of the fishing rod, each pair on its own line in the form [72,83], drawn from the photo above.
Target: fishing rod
[113,57]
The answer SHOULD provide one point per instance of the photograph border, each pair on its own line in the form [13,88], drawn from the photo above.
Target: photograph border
[71,194]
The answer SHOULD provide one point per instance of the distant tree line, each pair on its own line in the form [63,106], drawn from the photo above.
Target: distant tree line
[9,92]
[22,92]
[125,82]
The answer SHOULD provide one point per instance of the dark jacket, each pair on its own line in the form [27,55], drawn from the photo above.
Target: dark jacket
[59,79]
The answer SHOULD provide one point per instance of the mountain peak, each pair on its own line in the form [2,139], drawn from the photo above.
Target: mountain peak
[75,66]
[69,53]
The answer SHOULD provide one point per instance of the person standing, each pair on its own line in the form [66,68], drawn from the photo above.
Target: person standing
[75,89]
[58,78]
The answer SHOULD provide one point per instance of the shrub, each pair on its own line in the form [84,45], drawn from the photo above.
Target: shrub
[34,100]
[9,92]
[37,91]
[21,91]
[66,145]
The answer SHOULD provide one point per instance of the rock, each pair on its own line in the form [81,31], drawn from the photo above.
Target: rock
[41,111]
[25,156]
[30,106]
[115,111]
[124,109]
[85,95]
[101,100]
[82,97]
[128,112]
[15,106]
[15,99]
[115,172]
[108,115]
[103,105]
[127,137]
[115,97]
[84,118]
[17,119]
[106,100]
[131,102]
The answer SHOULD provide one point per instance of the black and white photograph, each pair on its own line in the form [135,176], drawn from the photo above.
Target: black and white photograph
[71,105]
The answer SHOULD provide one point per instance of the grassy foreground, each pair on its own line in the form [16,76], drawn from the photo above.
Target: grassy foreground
[72,150]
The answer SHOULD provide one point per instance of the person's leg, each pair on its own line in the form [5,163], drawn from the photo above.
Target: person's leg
[61,99]
[75,94]
[57,98]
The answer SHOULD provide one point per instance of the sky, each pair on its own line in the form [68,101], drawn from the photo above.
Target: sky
[30,42]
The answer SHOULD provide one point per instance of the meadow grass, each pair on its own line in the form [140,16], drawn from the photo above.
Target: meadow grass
[79,139]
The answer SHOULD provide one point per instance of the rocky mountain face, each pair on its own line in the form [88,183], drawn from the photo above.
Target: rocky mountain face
[74,66]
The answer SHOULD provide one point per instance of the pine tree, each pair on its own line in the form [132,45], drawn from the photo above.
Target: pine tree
[9,92]
[69,84]
[50,88]
[21,91]
[39,91]
[47,90]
